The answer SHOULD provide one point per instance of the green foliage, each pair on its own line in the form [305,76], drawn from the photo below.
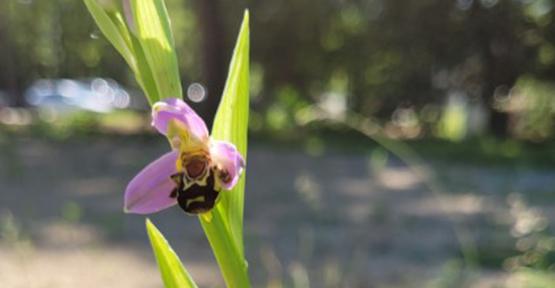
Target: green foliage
[153,32]
[535,278]
[173,273]
[282,113]
[385,64]
[534,103]
[225,228]
[146,43]
[109,22]
[81,123]
[452,125]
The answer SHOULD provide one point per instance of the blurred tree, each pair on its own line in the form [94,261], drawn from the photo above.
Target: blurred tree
[50,39]
[502,51]
[378,55]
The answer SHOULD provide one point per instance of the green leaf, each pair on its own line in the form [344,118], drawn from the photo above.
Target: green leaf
[225,228]
[173,272]
[231,124]
[112,24]
[143,73]
[232,265]
[153,32]
[114,32]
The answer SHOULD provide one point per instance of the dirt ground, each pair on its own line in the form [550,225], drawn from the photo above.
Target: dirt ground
[333,220]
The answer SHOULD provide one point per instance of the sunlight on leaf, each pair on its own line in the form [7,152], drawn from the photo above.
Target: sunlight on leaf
[225,230]
[173,272]
[112,31]
[112,24]
[231,125]
[150,52]
[154,35]
[144,74]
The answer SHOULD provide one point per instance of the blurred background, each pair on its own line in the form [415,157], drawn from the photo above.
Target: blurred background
[392,144]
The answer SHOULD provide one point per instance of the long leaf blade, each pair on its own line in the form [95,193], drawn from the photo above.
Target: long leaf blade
[153,31]
[112,24]
[173,272]
[231,125]
[144,74]
[112,32]
[232,264]
[224,229]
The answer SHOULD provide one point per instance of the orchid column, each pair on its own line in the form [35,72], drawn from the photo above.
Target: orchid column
[202,172]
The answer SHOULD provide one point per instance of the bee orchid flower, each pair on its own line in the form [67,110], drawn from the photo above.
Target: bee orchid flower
[192,174]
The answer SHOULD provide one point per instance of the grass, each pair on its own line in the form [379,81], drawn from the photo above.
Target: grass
[314,140]
[484,151]
[491,253]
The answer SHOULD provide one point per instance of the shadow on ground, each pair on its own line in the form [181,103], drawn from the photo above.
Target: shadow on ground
[332,220]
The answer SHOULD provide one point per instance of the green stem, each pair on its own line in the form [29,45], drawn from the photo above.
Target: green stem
[232,265]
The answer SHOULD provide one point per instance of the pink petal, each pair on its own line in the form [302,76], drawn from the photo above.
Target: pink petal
[226,156]
[150,190]
[174,108]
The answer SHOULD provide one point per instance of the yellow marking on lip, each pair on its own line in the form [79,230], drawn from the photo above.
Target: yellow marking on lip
[196,199]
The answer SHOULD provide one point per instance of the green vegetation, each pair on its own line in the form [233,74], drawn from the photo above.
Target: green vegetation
[434,62]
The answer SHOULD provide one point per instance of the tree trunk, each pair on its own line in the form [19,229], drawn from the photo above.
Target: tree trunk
[500,59]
